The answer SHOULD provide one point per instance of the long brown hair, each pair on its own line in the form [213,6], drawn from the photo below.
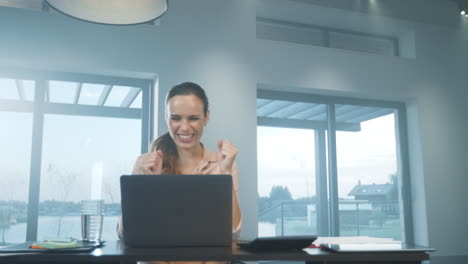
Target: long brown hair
[165,143]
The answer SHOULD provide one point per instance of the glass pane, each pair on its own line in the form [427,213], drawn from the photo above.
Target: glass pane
[117,95]
[355,42]
[90,93]
[62,92]
[15,153]
[83,158]
[367,172]
[8,89]
[286,32]
[137,102]
[286,181]
[28,86]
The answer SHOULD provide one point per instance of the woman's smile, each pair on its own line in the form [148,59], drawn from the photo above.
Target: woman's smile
[185,137]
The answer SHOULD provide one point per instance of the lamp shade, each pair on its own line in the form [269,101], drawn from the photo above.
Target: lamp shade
[114,12]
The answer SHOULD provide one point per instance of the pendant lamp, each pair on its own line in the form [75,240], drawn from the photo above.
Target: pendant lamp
[112,12]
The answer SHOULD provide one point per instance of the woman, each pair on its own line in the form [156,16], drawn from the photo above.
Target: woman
[180,151]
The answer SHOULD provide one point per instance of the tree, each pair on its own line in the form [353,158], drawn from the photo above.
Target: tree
[266,205]
[280,193]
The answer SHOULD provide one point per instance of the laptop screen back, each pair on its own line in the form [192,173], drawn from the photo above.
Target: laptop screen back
[176,210]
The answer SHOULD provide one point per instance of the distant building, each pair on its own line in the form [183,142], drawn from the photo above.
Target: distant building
[372,192]
[381,196]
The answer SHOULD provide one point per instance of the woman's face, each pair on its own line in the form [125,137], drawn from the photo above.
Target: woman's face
[185,120]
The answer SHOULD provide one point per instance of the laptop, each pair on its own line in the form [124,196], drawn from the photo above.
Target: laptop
[176,210]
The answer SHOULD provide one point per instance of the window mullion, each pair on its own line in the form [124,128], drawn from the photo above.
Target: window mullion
[146,120]
[332,172]
[404,177]
[36,159]
[321,183]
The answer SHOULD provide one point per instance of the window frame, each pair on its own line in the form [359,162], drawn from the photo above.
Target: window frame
[327,184]
[41,106]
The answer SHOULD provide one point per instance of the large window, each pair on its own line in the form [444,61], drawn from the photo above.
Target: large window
[331,166]
[65,138]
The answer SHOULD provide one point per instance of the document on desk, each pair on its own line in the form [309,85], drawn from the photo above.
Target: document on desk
[354,240]
[364,244]
[27,247]
[375,248]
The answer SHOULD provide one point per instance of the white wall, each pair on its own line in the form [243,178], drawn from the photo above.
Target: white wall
[432,84]
[213,43]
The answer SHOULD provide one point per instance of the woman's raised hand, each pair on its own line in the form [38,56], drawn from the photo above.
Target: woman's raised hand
[226,155]
[149,163]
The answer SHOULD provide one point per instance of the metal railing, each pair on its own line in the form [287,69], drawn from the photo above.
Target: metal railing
[355,215]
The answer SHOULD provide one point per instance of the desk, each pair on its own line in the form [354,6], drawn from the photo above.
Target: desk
[115,252]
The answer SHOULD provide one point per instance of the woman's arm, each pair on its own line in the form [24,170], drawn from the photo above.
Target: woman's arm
[120,228]
[236,211]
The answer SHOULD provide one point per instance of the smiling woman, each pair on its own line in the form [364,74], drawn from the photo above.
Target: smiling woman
[179,151]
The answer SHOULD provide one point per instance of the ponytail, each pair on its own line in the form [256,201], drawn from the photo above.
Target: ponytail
[166,144]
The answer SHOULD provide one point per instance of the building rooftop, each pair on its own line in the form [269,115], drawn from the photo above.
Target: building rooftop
[371,189]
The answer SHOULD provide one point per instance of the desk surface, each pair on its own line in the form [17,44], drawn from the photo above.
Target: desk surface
[115,251]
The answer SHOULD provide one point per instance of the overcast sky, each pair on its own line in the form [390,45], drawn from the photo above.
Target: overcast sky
[286,157]
[75,150]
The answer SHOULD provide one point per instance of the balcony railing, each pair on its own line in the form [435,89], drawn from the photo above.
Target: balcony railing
[357,218]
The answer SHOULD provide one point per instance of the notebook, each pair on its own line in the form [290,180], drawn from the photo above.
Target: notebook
[387,247]
[81,247]
[176,210]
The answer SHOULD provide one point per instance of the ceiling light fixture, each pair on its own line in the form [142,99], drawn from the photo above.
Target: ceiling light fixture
[463,7]
[112,12]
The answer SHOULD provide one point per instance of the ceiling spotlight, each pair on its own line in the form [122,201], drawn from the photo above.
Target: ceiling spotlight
[463,7]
